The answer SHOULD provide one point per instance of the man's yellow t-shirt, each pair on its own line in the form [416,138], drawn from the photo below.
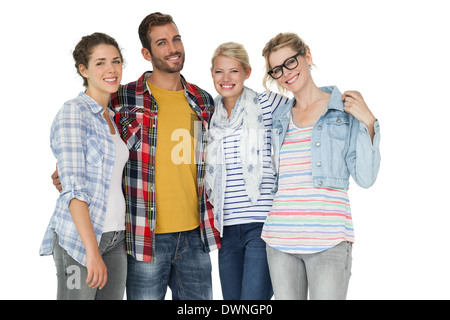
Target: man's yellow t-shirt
[175,169]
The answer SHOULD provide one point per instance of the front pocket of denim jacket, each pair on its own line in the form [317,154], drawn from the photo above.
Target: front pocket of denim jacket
[132,131]
[338,127]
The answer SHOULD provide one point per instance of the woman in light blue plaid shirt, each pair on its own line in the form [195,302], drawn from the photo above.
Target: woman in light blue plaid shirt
[86,233]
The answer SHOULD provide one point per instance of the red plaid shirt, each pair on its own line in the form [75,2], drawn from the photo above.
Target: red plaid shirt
[137,120]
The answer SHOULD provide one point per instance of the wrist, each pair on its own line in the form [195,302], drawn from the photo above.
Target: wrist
[92,250]
[370,121]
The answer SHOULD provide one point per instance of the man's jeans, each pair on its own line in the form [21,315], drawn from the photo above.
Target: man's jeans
[180,263]
[243,269]
[72,275]
[325,273]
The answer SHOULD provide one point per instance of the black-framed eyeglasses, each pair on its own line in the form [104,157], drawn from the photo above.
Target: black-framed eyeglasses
[289,63]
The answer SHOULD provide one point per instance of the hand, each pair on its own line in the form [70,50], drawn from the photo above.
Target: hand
[55,179]
[357,107]
[97,272]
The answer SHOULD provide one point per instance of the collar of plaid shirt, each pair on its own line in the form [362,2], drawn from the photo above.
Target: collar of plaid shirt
[136,116]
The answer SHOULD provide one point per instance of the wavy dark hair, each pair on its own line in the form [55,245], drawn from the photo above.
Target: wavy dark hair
[84,49]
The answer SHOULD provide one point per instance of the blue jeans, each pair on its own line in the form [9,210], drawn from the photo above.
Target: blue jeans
[325,273]
[180,263]
[244,273]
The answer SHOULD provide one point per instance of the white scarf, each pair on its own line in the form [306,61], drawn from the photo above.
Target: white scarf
[246,114]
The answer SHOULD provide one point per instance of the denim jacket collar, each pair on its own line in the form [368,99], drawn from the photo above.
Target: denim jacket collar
[335,103]
[340,148]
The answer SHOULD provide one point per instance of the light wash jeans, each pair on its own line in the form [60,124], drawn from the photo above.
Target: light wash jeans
[180,263]
[325,273]
[72,275]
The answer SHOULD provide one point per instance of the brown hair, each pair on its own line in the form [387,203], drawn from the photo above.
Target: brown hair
[84,49]
[281,40]
[152,20]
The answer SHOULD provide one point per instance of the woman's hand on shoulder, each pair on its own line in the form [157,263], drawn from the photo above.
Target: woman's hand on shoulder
[356,106]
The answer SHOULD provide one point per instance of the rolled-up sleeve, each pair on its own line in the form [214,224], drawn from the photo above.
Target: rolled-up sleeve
[68,143]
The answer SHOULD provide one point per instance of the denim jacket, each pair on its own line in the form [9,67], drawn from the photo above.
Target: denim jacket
[340,145]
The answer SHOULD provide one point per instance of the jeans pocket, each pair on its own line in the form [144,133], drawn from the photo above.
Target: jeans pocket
[54,240]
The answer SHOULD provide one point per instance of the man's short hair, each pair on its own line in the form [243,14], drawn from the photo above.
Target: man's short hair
[152,20]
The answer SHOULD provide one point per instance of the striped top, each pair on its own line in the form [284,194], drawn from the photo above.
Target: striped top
[305,219]
[238,208]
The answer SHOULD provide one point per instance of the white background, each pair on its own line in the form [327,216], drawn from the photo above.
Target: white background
[394,52]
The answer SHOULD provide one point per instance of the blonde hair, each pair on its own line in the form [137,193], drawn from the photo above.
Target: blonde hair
[281,40]
[232,50]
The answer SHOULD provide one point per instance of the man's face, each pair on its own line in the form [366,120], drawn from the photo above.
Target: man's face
[167,48]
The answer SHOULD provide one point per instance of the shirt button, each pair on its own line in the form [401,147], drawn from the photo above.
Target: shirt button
[317,144]
[319,128]
[320,183]
[339,120]
[319,163]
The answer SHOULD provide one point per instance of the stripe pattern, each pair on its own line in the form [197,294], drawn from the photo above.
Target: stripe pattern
[305,219]
[238,209]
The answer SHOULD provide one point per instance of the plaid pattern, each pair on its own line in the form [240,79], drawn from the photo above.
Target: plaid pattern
[81,142]
[137,120]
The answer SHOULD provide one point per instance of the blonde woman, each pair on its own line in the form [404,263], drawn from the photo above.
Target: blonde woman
[239,174]
[319,141]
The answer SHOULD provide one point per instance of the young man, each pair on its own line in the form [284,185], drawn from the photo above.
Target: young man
[167,222]
[163,120]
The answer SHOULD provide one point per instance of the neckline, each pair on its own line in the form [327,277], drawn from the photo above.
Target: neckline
[291,121]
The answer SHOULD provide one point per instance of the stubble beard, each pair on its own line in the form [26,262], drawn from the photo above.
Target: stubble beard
[162,65]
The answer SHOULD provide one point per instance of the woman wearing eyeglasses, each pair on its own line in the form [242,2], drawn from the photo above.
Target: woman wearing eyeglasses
[318,141]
